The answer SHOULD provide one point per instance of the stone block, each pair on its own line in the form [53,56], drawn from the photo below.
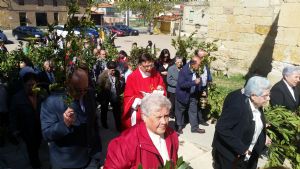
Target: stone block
[288,36]
[230,19]
[234,36]
[287,54]
[289,15]
[219,18]
[275,2]
[261,20]
[246,28]
[260,11]
[243,19]
[256,3]
[216,10]
[262,29]
[228,10]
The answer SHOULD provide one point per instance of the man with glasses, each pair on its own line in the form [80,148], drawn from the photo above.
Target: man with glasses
[240,135]
[69,124]
[144,80]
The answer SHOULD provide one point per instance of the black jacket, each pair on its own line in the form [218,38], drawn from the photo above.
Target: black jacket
[235,128]
[280,95]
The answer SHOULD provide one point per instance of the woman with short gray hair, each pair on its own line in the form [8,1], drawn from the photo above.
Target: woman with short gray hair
[153,103]
[256,86]
[150,143]
[240,134]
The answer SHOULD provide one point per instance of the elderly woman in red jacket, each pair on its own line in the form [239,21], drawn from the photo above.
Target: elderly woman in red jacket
[150,143]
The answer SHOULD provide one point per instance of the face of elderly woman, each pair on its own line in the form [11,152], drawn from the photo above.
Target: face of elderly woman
[158,121]
[292,79]
[262,100]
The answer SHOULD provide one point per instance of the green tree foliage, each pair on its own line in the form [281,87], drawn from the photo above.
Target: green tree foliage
[284,132]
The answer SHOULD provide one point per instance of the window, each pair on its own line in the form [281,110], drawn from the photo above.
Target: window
[40,2]
[191,17]
[54,2]
[41,19]
[21,2]
[55,18]
[22,17]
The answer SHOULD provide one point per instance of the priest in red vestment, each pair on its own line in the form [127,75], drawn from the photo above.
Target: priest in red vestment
[144,80]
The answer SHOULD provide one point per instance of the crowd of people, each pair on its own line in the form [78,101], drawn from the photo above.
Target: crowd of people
[142,102]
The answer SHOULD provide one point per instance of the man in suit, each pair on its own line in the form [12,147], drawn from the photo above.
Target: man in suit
[285,93]
[188,90]
[240,134]
[69,124]
[47,77]
[111,88]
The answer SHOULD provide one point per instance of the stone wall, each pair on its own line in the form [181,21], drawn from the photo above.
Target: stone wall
[247,31]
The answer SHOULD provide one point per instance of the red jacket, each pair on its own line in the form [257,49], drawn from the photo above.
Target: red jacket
[134,147]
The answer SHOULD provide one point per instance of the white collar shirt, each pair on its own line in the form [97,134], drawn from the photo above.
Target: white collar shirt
[258,127]
[160,144]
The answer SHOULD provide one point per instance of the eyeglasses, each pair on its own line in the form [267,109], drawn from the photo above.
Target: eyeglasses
[266,96]
[147,66]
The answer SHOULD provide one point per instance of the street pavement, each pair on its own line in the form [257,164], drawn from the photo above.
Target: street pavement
[195,148]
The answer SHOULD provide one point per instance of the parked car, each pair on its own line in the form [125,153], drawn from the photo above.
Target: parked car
[115,30]
[128,30]
[3,37]
[24,32]
[60,30]
[88,32]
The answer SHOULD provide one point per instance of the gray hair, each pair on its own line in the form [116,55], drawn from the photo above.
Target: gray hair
[257,85]
[154,102]
[288,70]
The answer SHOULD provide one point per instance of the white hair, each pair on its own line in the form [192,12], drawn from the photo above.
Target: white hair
[154,102]
[257,85]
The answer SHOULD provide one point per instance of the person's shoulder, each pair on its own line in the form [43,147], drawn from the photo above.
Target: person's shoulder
[278,85]
[55,97]
[172,67]
[135,73]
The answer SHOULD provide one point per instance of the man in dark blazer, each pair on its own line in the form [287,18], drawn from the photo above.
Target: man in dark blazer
[240,134]
[46,77]
[69,124]
[110,89]
[285,93]
[188,91]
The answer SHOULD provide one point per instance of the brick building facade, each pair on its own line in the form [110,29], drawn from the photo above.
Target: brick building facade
[14,13]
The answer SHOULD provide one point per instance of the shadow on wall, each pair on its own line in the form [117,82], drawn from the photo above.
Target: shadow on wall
[262,64]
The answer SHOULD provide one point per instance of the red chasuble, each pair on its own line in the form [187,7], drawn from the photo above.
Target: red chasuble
[135,86]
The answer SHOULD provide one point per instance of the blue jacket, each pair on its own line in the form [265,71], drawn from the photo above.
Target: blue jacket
[185,83]
[70,147]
